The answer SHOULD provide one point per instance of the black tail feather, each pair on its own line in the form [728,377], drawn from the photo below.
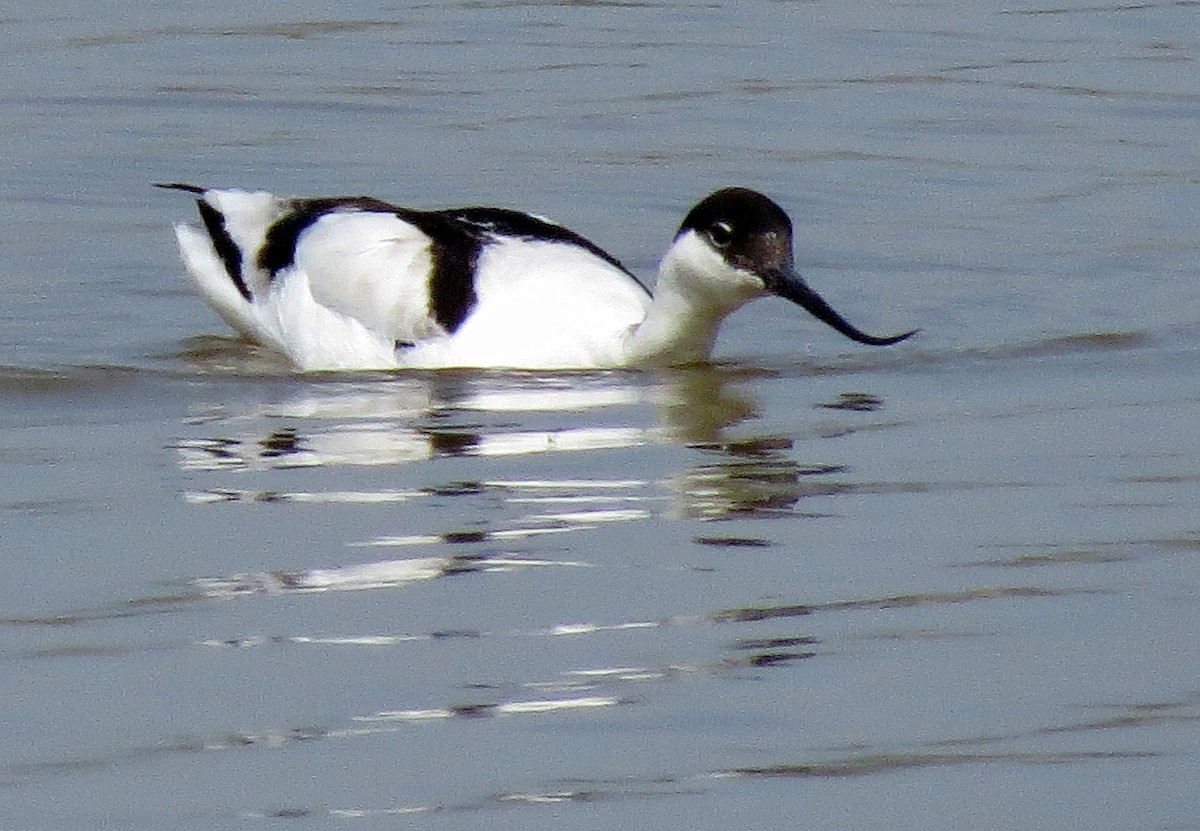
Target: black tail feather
[214,223]
[180,186]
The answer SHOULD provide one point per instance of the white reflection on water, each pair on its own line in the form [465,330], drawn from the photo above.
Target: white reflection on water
[372,445]
[522,707]
[401,421]
[377,575]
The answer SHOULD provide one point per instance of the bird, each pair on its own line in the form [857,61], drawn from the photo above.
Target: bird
[356,283]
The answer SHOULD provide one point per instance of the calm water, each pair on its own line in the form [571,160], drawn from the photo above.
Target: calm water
[952,584]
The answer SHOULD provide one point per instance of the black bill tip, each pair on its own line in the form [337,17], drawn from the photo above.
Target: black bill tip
[786,283]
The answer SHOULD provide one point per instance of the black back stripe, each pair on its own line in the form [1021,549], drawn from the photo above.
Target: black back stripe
[279,248]
[224,245]
[517,224]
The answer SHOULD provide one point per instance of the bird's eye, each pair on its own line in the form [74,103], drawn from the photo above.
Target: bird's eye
[721,234]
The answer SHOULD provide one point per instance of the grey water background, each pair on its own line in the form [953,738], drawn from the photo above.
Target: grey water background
[951,584]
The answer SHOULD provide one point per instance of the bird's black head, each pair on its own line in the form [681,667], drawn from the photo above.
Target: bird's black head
[749,230]
[753,234]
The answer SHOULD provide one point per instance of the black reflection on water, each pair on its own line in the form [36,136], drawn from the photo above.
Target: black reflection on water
[463,488]
[770,659]
[774,643]
[283,442]
[860,402]
[465,537]
[868,764]
[733,542]
[752,614]
[451,442]
[773,651]
[753,476]
[755,483]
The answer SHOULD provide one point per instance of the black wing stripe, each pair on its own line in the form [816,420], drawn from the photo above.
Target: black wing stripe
[452,279]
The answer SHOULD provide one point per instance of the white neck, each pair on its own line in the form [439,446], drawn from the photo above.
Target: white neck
[696,290]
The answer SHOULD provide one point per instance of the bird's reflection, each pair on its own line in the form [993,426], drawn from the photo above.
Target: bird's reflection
[696,405]
[399,420]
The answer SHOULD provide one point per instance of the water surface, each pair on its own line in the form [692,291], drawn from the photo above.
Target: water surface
[951,584]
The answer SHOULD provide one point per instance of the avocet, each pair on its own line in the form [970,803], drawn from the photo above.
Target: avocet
[357,283]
